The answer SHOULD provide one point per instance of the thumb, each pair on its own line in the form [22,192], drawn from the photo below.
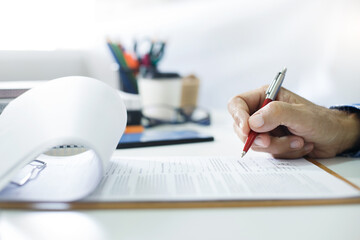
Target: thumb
[274,114]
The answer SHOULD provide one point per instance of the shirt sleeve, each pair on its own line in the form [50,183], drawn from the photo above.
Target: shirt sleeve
[351,108]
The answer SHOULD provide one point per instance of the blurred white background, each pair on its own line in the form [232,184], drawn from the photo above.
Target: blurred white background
[231,45]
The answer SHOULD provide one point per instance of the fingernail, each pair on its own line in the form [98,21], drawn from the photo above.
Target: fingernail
[257,120]
[295,144]
[308,147]
[241,125]
[259,142]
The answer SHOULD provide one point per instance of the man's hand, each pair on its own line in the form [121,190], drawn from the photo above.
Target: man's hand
[293,127]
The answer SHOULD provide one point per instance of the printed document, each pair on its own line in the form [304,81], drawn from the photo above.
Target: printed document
[255,177]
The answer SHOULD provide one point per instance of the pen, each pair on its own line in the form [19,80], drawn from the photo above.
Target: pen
[271,93]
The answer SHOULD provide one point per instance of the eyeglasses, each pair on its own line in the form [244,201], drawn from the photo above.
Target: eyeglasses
[163,114]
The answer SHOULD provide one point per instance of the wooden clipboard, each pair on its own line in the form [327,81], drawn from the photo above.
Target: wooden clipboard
[60,206]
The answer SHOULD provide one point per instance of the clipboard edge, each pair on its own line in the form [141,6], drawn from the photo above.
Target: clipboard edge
[328,170]
[59,206]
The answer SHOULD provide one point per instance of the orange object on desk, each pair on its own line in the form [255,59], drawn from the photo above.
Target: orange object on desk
[131,62]
[134,129]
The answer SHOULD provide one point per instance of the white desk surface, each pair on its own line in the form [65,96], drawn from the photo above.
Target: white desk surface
[301,222]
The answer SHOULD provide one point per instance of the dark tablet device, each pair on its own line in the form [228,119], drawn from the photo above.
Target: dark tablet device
[158,138]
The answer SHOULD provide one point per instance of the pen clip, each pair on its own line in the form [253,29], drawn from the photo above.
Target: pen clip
[275,86]
[271,86]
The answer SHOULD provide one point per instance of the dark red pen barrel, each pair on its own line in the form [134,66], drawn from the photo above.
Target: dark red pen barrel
[252,135]
[266,101]
[249,141]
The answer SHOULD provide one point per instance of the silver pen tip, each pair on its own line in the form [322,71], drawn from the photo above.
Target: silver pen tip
[284,70]
[243,154]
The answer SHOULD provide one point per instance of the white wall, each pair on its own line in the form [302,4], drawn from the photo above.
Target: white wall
[233,46]
[40,65]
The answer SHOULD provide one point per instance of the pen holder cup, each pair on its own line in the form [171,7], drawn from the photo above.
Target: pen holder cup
[190,90]
[128,80]
[160,92]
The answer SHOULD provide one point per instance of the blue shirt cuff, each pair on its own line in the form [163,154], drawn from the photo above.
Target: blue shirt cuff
[352,108]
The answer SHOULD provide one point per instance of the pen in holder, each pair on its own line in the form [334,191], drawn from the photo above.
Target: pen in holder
[128,67]
[138,62]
